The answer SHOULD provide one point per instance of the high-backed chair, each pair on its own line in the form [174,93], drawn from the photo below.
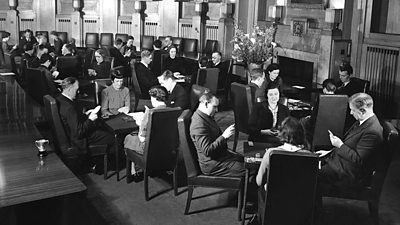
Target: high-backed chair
[63,36]
[330,115]
[211,46]
[208,78]
[195,178]
[190,48]
[242,105]
[45,33]
[363,84]
[147,42]
[160,151]
[291,184]
[123,37]
[62,145]
[69,66]
[136,88]
[106,40]
[179,44]
[37,84]
[372,192]
[195,94]
[92,40]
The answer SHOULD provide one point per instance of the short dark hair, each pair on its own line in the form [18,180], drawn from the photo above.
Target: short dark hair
[207,97]
[272,85]
[118,41]
[256,73]
[291,131]
[345,66]
[203,61]
[168,74]
[5,34]
[272,67]
[157,43]
[102,52]
[67,82]
[159,92]
[169,37]
[54,33]
[131,37]
[116,74]
[28,31]
[42,46]
[329,84]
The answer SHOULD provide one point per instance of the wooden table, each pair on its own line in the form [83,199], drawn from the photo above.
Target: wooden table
[120,125]
[250,164]
[26,178]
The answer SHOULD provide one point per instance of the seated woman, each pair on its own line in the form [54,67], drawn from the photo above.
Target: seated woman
[100,68]
[272,76]
[266,116]
[115,98]
[136,142]
[173,62]
[292,135]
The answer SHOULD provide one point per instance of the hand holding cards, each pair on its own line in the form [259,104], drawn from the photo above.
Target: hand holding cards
[322,153]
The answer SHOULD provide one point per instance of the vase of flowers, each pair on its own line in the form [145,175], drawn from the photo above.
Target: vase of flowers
[256,48]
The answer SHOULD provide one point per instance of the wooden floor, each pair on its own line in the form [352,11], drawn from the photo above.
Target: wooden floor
[112,202]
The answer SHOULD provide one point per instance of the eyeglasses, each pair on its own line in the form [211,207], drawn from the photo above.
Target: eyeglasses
[98,56]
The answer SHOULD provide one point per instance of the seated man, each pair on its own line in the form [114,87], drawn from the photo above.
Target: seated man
[223,69]
[57,42]
[156,63]
[40,51]
[115,98]
[144,75]
[128,50]
[177,94]
[211,143]
[348,87]
[136,142]
[45,66]
[67,50]
[119,59]
[28,38]
[351,161]
[82,129]
[257,85]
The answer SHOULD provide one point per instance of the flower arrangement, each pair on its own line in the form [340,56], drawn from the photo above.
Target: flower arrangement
[255,47]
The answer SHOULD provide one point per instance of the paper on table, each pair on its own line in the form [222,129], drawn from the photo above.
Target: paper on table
[136,115]
[180,80]
[298,87]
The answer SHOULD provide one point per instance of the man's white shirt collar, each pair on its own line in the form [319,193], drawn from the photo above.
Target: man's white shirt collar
[67,97]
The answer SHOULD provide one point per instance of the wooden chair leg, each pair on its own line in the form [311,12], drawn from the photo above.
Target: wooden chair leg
[146,186]
[373,207]
[189,199]
[240,204]
[175,178]
[105,158]
[235,140]
[128,169]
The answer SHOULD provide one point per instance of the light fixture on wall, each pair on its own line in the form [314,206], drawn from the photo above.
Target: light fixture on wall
[12,4]
[76,4]
[281,2]
[334,17]
[275,12]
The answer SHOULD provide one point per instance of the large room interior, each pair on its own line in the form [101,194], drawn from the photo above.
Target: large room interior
[310,40]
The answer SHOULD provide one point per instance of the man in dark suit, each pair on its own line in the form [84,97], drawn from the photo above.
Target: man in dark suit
[257,85]
[82,129]
[348,87]
[156,62]
[351,161]
[144,74]
[57,42]
[211,143]
[167,43]
[223,69]
[28,38]
[177,94]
